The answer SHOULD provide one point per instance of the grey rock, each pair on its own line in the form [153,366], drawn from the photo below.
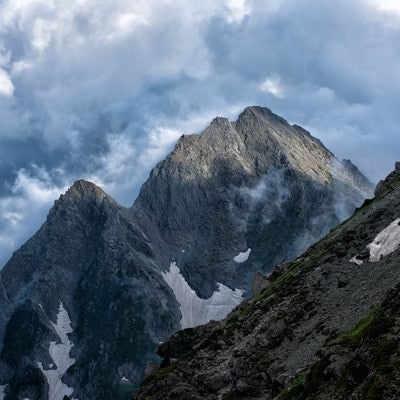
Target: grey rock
[391,182]
[259,283]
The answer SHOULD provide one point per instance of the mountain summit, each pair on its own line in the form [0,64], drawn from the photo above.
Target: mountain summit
[256,183]
[86,301]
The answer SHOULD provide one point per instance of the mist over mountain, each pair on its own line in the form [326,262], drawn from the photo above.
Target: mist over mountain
[86,301]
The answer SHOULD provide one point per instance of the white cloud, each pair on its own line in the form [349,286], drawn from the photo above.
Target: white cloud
[125,23]
[42,33]
[30,198]
[117,168]
[122,168]
[21,66]
[72,59]
[121,154]
[160,140]
[273,85]
[387,5]
[13,218]
[6,85]
[237,10]
[38,188]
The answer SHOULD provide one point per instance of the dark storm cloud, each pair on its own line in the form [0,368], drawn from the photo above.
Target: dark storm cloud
[101,90]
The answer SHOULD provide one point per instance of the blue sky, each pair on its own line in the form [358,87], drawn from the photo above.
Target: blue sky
[101,90]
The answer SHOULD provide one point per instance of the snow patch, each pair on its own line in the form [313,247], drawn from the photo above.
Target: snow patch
[386,242]
[356,260]
[59,352]
[2,391]
[242,257]
[195,310]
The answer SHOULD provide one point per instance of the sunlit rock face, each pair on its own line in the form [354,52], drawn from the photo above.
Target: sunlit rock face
[238,198]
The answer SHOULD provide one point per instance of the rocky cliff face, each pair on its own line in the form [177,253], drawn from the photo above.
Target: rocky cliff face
[85,302]
[325,326]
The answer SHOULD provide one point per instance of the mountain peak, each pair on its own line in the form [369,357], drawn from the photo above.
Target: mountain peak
[80,197]
[261,112]
[219,126]
[219,121]
[257,141]
[83,190]
[84,186]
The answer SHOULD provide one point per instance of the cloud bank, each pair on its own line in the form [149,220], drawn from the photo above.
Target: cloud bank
[102,89]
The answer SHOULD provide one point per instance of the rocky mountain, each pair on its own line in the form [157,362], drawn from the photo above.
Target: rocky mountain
[86,301]
[225,192]
[90,266]
[324,326]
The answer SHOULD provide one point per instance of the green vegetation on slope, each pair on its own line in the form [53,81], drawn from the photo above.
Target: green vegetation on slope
[363,360]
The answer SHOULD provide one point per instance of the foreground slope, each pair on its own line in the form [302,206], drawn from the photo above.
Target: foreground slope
[325,326]
[86,301]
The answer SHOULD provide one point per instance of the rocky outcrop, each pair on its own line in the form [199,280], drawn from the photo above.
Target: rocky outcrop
[240,197]
[324,327]
[391,182]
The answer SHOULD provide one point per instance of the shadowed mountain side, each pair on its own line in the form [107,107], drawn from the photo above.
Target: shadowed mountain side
[91,257]
[324,326]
